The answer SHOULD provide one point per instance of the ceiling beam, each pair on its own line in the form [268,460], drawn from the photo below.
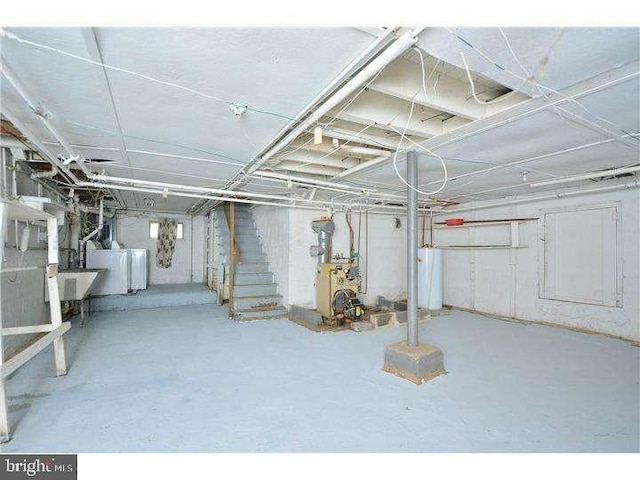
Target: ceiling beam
[403,80]
[532,106]
[345,148]
[387,111]
[314,158]
[312,169]
[345,131]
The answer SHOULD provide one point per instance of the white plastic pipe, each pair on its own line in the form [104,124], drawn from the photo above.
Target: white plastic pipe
[321,205]
[537,198]
[587,176]
[308,181]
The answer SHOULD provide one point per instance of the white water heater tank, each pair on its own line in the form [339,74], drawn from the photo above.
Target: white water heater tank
[430,265]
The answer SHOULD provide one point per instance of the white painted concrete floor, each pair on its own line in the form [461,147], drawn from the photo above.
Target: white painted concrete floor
[189,380]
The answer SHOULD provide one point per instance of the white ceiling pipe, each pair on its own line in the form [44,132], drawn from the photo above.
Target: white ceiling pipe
[325,204]
[362,166]
[226,193]
[331,185]
[310,181]
[342,148]
[388,55]
[587,176]
[530,199]
[374,152]
[306,183]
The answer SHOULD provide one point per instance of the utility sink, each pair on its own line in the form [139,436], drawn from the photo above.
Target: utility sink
[76,284]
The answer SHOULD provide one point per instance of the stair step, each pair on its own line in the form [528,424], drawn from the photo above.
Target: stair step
[252,278]
[246,257]
[252,267]
[255,302]
[246,224]
[255,289]
[241,234]
[275,313]
[244,245]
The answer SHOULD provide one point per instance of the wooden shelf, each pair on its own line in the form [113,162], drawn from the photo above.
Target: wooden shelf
[18,211]
[513,229]
[482,223]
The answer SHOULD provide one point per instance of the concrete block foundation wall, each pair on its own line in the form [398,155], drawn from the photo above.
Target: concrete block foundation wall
[494,282]
[286,235]
[187,265]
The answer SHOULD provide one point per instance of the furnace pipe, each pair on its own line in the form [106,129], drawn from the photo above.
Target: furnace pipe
[95,232]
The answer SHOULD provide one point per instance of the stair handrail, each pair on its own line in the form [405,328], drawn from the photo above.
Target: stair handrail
[233,246]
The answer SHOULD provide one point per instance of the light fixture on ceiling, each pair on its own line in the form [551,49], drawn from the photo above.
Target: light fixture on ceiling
[165,192]
[525,176]
[317,135]
[237,109]
[148,202]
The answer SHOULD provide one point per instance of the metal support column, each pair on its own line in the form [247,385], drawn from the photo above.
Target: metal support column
[412,250]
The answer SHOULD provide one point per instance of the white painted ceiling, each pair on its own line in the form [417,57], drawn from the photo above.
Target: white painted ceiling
[279,71]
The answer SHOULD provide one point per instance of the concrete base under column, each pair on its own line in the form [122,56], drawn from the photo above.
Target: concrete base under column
[417,364]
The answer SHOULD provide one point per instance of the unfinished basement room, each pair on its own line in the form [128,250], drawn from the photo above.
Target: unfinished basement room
[320,239]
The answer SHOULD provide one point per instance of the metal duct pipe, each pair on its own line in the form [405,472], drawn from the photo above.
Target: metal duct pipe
[324,229]
[412,249]
[52,172]
[95,232]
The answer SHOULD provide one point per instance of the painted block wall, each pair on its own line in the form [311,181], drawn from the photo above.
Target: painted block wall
[287,249]
[187,264]
[504,282]
[272,224]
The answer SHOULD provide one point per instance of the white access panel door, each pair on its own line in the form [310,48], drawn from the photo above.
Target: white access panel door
[582,256]
[138,266]
[116,279]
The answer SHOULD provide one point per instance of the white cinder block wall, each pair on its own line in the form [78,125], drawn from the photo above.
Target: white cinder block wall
[287,235]
[494,282]
[187,265]
[273,227]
